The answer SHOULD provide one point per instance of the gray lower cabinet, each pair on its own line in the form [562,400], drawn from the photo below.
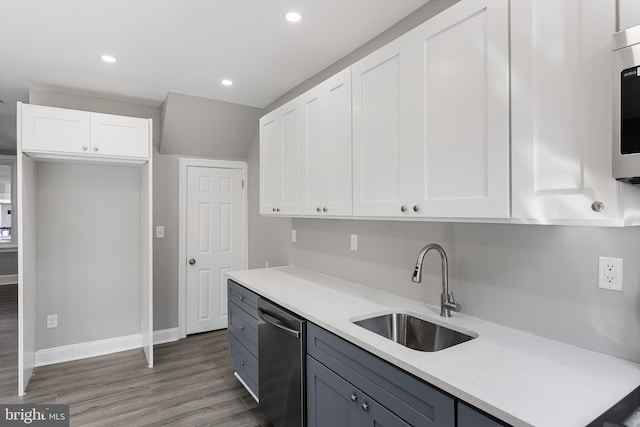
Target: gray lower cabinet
[243,334]
[334,402]
[469,417]
[338,370]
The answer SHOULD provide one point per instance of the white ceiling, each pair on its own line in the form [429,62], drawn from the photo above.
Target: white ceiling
[183,46]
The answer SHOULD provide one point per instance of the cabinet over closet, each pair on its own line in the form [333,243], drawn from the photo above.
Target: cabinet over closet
[84,236]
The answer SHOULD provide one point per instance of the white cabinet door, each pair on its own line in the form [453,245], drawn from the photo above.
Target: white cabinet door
[119,136]
[382,91]
[461,152]
[561,109]
[270,163]
[55,129]
[290,138]
[280,161]
[325,147]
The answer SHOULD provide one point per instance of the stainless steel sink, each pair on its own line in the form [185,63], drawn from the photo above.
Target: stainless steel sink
[413,332]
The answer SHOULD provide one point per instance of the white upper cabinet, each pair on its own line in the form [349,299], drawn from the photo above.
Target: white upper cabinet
[325,147]
[382,127]
[280,160]
[461,94]
[55,129]
[561,110]
[47,130]
[119,136]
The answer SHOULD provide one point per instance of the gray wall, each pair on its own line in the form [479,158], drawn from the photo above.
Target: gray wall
[9,262]
[206,127]
[88,222]
[539,279]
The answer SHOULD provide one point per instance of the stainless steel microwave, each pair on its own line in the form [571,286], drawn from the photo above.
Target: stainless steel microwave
[626,105]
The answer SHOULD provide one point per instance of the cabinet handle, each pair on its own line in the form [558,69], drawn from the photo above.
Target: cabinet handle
[95,149]
[84,148]
[365,407]
[597,206]
[325,209]
[403,208]
[242,327]
[277,209]
[416,208]
[318,209]
[242,363]
[354,397]
[241,297]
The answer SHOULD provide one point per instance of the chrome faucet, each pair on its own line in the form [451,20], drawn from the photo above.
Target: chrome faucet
[447,302]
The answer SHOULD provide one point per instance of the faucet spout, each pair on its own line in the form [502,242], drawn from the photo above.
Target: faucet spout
[447,302]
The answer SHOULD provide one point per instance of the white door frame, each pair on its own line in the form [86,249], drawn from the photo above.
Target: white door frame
[184,163]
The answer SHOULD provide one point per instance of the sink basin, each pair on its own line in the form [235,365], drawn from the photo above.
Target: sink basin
[413,332]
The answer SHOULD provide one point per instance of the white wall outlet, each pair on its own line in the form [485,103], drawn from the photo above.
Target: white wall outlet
[354,242]
[160,232]
[293,236]
[610,273]
[52,321]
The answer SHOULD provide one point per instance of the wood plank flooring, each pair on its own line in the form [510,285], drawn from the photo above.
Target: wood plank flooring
[192,383]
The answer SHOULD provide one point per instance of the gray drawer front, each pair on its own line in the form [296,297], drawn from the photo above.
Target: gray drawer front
[245,364]
[411,399]
[469,417]
[243,297]
[244,328]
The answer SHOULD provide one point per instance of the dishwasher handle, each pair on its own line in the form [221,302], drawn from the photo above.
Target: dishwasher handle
[274,321]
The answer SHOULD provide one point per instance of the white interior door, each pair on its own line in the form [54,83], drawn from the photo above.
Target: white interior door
[215,217]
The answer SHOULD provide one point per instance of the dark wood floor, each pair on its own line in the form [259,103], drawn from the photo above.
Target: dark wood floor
[192,383]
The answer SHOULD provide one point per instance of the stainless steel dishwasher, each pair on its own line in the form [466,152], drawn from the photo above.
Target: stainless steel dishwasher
[281,345]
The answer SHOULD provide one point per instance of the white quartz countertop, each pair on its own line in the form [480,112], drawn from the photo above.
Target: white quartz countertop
[522,379]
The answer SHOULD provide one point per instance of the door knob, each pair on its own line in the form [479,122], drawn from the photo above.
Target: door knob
[192,261]
[95,148]
[403,208]
[416,208]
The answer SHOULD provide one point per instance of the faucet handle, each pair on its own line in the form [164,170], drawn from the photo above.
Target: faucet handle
[452,303]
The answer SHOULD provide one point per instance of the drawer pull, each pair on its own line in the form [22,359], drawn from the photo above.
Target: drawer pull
[242,363]
[365,407]
[242,327]
[354,397]
[241,297]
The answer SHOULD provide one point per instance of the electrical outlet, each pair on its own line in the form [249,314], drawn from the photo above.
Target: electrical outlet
[52,321]
[293,236]
[354,242]
[610,273]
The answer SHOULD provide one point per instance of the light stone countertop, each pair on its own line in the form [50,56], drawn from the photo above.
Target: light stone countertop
[519,378]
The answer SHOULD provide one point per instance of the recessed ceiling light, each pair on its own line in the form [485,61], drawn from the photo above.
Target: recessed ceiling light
[226,82]
[293,16]
[108,58]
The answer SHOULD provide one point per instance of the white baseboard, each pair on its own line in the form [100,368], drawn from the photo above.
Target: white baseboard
[9,279]
[166,335]
[84,350]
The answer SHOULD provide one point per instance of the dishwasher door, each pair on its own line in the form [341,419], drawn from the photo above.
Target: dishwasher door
[281,363]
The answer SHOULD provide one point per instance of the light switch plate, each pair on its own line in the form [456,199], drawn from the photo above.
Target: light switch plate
[52,321]
[160,232]
[293,236]
[354,242]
